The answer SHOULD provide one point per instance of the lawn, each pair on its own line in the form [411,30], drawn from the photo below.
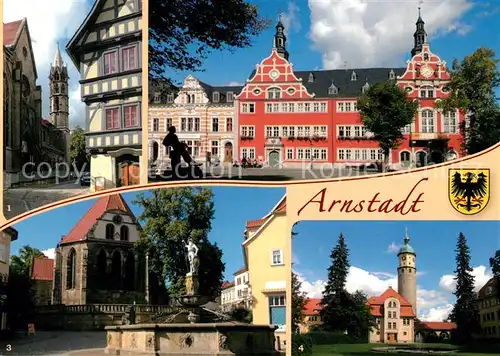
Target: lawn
[366,349]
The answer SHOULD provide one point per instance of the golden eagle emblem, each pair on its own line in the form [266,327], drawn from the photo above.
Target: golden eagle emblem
[469,190]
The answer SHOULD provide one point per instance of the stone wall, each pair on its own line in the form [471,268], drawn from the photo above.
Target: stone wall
[91,316]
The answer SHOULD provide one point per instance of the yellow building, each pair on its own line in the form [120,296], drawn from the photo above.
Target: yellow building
[488,305]
[8,235]
[106,49]
[311,315]
[264,252]
[204,118]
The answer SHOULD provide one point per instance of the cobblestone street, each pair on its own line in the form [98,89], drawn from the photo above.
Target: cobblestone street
[60,343]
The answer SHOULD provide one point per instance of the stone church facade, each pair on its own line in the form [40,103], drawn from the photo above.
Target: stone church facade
[28,138]
[96,263]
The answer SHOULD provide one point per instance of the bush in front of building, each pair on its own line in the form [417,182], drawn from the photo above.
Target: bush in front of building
[301,345]
[322,337]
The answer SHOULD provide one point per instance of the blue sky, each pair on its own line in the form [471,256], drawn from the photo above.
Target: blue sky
[233,207]
[373,256]
[360,33]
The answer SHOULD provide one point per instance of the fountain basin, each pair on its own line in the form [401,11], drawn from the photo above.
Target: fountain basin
[191,339]
[414,350]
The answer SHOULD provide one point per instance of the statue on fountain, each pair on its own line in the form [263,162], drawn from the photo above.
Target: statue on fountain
[194,262]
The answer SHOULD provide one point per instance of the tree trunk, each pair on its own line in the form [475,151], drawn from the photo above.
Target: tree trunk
[385,162]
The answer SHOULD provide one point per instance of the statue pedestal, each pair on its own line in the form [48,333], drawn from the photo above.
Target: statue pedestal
[192,284]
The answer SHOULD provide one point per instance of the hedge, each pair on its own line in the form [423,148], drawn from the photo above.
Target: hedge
[330,337]
[301,345]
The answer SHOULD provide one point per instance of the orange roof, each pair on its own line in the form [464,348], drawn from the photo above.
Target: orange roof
[438,325]
[312,306]
[259,222]
[11,31]
[240,271]
[42,269]
[255,223]
[377,304]
[226,285]
[103,205]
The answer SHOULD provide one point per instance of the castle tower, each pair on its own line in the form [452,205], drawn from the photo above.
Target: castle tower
[420,36]
[280,39]
[59,98]
[407,273]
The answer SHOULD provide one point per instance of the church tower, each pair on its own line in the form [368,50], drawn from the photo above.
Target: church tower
[407,273]
[280,39]
[420,36]
[59,98]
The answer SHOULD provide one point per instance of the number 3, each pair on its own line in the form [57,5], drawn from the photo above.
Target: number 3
[8,347]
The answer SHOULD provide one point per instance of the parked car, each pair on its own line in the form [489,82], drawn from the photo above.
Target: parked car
[85,179]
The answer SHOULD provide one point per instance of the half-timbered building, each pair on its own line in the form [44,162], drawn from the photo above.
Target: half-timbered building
[291,118]
[106,49]
[203,116]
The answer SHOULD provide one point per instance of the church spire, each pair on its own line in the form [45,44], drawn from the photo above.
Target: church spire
[280,38]
[420,36]
[58,62]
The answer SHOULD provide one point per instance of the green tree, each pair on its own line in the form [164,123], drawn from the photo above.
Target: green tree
[472,88]
[495,268]
[21,264]
[299,299]
[385,110]
[243,315]
[464,313]
[182,33]
[169,218]
[77,150]
[363,320]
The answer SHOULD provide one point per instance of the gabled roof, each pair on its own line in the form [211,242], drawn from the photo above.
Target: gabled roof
[11,32]
[226,285]
[377,304]
[114,202]
[312,306]
[489,289]
[341,79]
[437,325]
[240,271]
[42,269]
[279,208]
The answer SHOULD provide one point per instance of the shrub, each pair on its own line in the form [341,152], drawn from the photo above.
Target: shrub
[301,345]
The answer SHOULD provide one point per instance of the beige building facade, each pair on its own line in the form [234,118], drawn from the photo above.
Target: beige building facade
[7,236]
[204,118]
[106,49]
[488,304]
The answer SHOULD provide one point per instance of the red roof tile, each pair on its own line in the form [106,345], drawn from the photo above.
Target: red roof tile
[259,222]
[103,205]
[255,223]
[42,269]
[312,306]
[438,325]
[10,32]
[240,271]
[377,303]
[226,285]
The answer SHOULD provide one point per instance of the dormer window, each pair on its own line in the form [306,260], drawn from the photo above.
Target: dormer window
[157,97]
[365,88]
[229,97]
[170,98]
[216,97]
[354,76]
[274,93]
[392,75]
[311,78]
[333,90]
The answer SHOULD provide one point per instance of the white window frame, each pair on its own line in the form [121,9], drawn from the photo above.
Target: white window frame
[446,127]
[281,262]
[434,119]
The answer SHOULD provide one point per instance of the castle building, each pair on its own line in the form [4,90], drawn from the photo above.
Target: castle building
[29,140]
[96,263]
[203,116]
[291,118]
[407,273]
[488,305]
[106,50]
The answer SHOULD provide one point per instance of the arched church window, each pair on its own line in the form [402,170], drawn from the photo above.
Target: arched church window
[71,270]
[6,110]
[116,270]
[110,232]
[101,270]
[124,233]
[130,272]
[354,76]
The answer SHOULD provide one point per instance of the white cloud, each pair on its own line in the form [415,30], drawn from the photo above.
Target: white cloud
[290,19]
[50,22]
[50,253]
[432,305]
[393,247]
[481,274]
[235,84]
[363,33]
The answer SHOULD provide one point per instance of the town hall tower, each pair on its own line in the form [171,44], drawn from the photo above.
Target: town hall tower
[407,273]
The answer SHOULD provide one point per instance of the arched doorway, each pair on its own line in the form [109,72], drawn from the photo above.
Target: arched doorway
[274,159]
[404,158]
[437,156]
[228,152]
[421,158]
[154,155]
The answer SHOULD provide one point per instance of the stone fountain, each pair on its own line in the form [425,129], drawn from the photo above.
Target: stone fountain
[192,331]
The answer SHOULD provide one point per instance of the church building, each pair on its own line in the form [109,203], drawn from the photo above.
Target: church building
[106,50]
[96,263]
[29,139]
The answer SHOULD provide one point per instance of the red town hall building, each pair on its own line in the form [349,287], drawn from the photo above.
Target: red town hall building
[289,118]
